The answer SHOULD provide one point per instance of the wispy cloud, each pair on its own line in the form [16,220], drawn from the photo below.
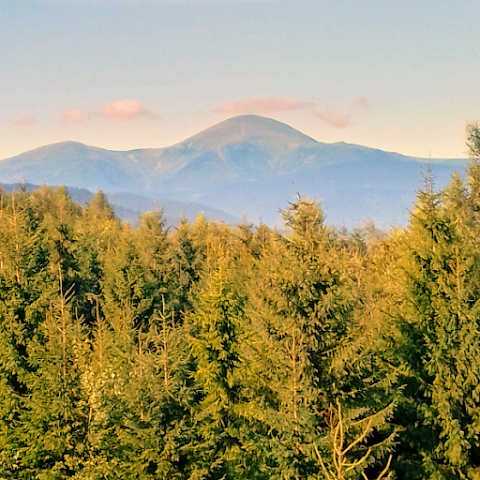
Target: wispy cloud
[263,105]
[125,110]
[362,103]
[24,121]
[336,118]
[72,116]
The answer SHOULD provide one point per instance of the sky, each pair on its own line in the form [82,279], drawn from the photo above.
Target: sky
[398,75]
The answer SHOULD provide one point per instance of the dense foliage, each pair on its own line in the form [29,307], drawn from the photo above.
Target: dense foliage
[210,352]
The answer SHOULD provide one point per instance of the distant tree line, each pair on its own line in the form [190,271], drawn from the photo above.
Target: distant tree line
[217,353]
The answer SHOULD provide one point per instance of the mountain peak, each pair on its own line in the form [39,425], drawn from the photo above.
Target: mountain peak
[252,129]
[68,144]
[67,147]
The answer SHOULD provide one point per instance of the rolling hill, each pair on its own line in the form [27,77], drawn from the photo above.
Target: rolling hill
[247,164]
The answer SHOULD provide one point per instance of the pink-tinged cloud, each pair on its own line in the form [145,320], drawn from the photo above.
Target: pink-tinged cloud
[72,116]
[263,105]
[334,119]
[269,105]
[362,103]
[125,111]
[24,121]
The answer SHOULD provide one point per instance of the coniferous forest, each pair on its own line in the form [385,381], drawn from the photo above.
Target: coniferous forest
[218,353]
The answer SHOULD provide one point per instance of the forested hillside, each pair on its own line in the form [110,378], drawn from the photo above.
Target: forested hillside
[210,352]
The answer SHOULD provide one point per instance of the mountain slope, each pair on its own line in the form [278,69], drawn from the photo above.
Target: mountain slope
[247,164]
[76,165]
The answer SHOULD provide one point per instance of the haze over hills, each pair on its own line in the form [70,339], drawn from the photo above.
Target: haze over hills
[247,164]
[129,207]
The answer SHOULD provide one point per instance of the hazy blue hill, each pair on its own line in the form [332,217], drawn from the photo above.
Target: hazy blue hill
[383,191]
[247,164]
[76,165]
[174,210]
[129,207]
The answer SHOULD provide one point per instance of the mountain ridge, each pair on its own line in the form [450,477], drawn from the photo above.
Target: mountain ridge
[235,122]
[246,164]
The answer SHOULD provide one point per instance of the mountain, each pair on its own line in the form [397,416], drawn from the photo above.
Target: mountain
[247,164]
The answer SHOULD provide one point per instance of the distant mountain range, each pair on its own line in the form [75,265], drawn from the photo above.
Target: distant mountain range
[245,165]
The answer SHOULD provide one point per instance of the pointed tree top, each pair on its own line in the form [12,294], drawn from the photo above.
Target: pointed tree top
[473,140]
[303,216]
[99,207]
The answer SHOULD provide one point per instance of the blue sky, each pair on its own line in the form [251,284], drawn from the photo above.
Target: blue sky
[400,75]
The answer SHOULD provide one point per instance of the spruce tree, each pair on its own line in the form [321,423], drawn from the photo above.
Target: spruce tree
[305,345]
[52,428]
[290,321]
[124,284]
[439,320]
[222,447]
[99,208]
[24,300]
[139,395]
[188,252]
[153,246]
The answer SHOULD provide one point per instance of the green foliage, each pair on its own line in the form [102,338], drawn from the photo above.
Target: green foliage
[307,345]
[215,338]
[439,320]
[216,353]
[188,251]
[53,425]
[99,208]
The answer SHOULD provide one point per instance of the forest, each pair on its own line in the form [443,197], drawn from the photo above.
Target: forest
[209,352]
